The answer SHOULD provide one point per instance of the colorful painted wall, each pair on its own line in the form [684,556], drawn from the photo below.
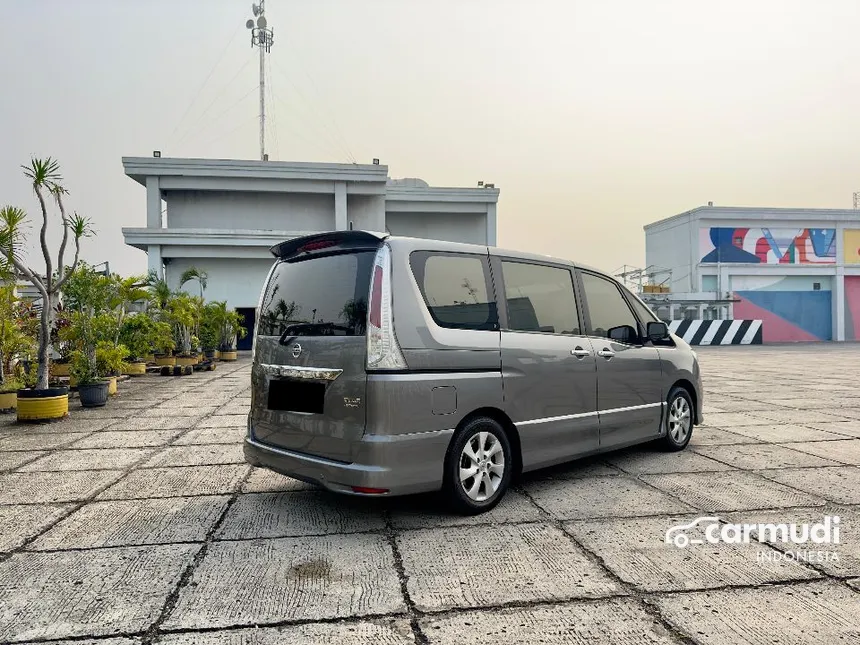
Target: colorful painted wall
[768,245]
[852,307]
[790,308]
[851,246]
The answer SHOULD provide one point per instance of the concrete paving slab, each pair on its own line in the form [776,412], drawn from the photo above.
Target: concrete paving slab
[840,484]
[20,523]
[97,641]
[172,411]
[13,460]
[226,421]
[708,436]
[727,420]
[430,512]
[620,621]
[840,559]
[601,497]
[54,487]
[845,428]
[165,422]
[71,425]
[204,455]
[212,435]
[818,612]
[87,593]
[731,491]
[109,458]
[784,433]
[635,550]
[266,581]
[640,461]
[125,439]
[393,631]
[99,414]
[478,566]
[24,441]
[794,416]
[177,482]
[844,452]
[589,467]
[135,522]
[265,515]
[235,408]
[755,457]
[263,480]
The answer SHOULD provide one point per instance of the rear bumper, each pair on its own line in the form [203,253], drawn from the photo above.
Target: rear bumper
[401,464]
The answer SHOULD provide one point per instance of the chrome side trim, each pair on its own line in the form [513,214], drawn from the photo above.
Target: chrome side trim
[292,371]
[583,415]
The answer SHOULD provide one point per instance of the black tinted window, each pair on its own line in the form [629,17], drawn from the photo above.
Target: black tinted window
[606,306]
[540,298]
[323,296]
[645,314]
[456,290]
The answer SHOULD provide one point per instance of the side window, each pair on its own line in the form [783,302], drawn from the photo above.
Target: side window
[606,307]
[456,289]
[642,311]
[540,298]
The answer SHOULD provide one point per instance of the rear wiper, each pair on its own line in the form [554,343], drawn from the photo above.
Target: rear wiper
[306,329]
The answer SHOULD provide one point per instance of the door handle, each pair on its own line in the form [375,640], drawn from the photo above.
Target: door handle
[606,353]
[579,352]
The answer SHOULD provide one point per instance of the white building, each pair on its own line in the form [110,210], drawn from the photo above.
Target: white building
[222,216]
[797,270]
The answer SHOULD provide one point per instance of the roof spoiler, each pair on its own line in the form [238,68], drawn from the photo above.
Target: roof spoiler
[333,241]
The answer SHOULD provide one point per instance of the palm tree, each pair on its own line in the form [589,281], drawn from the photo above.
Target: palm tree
[45,176]
[160,291]
[193,273]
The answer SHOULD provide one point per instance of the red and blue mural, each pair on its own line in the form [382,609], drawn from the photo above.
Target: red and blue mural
[768,245]
[790,308]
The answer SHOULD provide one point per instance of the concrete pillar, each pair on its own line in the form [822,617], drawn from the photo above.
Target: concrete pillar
[491,225]
[341,221]
[154,261]
[153,203]
[839,303]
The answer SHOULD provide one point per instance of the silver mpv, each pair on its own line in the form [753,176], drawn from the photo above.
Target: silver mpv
[390,365]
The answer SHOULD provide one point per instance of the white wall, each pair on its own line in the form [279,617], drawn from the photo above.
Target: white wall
[452,227]
[669,248]
[238,281]
[238,210]
[366,212]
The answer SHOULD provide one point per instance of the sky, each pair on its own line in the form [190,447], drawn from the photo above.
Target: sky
[593,118]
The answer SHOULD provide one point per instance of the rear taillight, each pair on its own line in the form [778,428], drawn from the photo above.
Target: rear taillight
[383,351]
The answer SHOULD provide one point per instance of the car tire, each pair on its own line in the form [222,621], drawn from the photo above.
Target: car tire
[678,422]
[478,467]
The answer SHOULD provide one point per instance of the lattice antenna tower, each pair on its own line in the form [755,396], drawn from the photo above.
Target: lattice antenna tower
[261,37]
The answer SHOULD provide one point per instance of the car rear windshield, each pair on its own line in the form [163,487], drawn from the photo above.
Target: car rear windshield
[320,296]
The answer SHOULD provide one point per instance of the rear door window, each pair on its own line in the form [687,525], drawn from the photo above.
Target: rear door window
[322,296]
[457,289]
[540,298]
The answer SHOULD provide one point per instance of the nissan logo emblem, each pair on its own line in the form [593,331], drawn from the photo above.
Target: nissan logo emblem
[297,350]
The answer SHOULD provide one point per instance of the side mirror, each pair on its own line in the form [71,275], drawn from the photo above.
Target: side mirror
[623,334]
[657,331]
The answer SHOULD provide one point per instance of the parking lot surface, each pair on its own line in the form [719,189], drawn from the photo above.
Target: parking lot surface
[140,522]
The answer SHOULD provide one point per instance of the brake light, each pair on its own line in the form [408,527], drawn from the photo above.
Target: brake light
[383,351]
[315,246]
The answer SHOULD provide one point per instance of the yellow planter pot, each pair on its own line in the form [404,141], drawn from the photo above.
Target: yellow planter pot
[135,369]
[60,369]
[43,408]
[161,361]
[217,355]
[149,358]
[229,356]
[8,400]
[184,361]
[112,386]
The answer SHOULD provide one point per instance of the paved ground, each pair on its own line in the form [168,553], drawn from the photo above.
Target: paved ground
[142,523]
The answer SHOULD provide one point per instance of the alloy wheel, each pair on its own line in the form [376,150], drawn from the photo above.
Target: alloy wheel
[482,466]
[679,420]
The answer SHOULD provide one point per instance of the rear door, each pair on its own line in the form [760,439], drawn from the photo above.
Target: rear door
[548,366]
[629,372]
[309,376]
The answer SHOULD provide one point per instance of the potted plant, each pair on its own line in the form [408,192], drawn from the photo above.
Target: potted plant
[229,328]
[60,366]
[92,390]
[138,333]
[209,331]
[41,403]
[110,362]
[184,312]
